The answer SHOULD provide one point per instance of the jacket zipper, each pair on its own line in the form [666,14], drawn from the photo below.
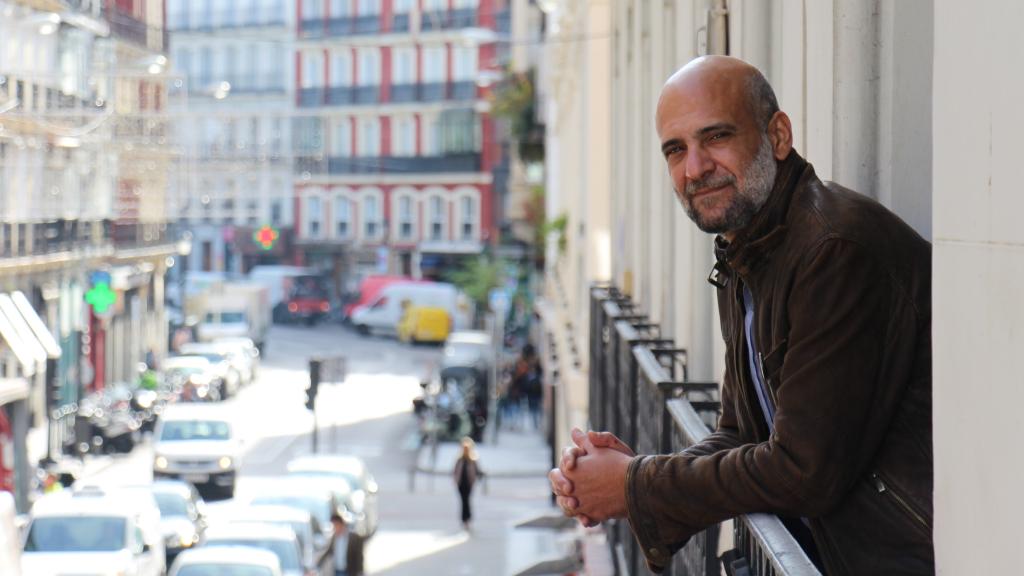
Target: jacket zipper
[881,487]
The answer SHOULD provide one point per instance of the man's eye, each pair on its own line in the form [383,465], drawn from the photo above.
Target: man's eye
[718,136]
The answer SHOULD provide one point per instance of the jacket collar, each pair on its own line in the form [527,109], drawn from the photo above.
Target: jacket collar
[767,229]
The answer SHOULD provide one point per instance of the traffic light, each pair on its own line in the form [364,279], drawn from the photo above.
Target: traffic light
[314,383]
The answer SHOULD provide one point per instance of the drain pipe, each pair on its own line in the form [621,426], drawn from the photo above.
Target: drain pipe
[718,27]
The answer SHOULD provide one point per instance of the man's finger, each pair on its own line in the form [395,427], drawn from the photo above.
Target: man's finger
[609,440]
[582,440]
[569,456]
[568,504]
[560,485]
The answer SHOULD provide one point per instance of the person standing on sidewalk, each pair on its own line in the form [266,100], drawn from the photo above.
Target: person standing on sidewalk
[466,472]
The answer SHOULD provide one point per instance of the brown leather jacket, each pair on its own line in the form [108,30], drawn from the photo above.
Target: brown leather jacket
[842,320]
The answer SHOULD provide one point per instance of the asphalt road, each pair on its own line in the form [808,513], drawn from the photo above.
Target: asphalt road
[370,415]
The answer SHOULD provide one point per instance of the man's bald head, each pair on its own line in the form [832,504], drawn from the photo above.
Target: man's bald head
[722,134]
[727,76]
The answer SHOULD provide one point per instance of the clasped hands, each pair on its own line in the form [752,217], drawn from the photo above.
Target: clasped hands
[590,481]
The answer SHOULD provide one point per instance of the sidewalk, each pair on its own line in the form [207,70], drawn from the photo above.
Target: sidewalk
[547,545]
[89,465]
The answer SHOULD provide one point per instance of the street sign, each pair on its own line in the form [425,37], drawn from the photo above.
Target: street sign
[101,297]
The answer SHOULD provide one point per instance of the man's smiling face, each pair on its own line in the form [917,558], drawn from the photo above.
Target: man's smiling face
[721,161]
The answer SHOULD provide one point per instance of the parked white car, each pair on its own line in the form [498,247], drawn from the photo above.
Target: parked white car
[93,531]
[197,443]
[280,540]
[314,544]
[226,560]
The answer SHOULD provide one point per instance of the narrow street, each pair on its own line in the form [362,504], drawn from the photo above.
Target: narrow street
[370,415]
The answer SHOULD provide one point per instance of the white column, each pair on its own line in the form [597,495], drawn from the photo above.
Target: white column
[977,284]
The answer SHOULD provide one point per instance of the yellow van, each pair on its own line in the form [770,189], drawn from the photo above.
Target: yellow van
[424,324]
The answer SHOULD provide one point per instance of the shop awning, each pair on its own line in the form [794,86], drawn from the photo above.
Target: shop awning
[39,329]
[25,333]
[12,389]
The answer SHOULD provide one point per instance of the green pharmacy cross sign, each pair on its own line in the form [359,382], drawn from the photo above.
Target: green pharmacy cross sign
[101,297]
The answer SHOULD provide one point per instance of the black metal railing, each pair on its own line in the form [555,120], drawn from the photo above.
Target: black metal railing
[310,97]
[469,162]
[640,390]
[405,93]
[463,90]
[367,94]
[341,95]
[312,28]
[400,23]
[352,26]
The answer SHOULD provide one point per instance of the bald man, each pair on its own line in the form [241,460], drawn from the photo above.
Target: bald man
[825,303]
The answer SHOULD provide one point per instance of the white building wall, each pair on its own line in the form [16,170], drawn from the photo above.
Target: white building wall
[978,280]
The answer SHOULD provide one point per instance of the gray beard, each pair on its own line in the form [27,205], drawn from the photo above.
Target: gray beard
[758,178]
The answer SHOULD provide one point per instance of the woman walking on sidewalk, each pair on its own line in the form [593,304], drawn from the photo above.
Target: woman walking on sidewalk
[466,472]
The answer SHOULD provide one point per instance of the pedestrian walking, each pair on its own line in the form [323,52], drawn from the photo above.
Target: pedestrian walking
[348,548]
[466,472]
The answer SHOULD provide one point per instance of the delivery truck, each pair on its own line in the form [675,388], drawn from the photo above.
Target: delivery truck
[232,310]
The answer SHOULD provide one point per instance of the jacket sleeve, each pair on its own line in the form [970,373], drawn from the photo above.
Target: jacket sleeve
[852,330]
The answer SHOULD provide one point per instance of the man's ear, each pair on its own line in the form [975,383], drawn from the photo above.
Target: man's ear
[780,134]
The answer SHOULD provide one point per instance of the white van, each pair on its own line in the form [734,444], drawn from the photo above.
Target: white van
[383,314]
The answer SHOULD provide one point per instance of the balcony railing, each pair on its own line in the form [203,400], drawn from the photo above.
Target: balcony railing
[399,93]
[340,95]
[312,28]
[345,165]
[367,94]
[462,18]
[433,20]
[348,26]
[19,240]
[405,92]
[433,91]
[309,97]
[400,23]
[634,371]
[127,27]
[463,90]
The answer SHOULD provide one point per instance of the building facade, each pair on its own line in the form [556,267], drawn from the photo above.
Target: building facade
[234,130]
[394,148]
[84,165]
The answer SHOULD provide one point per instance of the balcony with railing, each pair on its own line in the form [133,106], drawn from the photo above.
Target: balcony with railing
[349,26]
[433,91]
[367,94]
[131,29]
[463,90]
[311,97]
[434,20]
[313,28]
[77,239]
[405,93]
[640,390]
[400,22]
[372,94]
[341,95]
[350,165]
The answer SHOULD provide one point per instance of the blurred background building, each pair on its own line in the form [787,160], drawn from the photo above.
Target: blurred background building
[394,147]
[85,238]
[234,127]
